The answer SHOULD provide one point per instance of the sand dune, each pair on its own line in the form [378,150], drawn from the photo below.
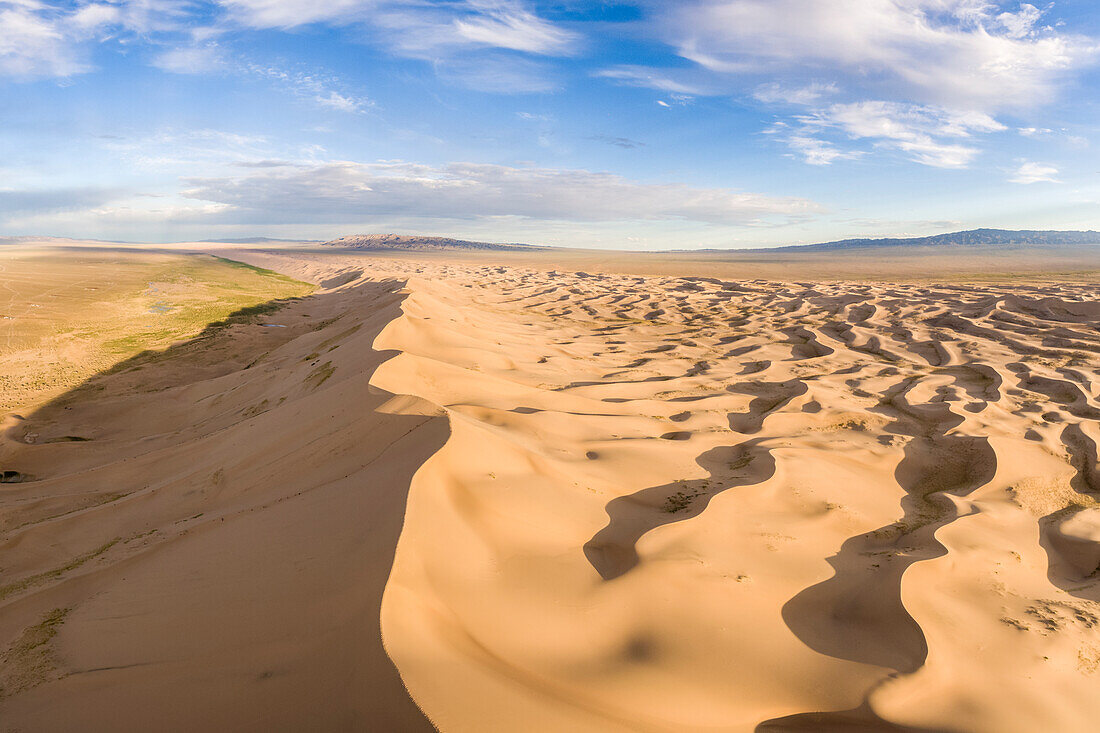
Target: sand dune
[212,554]
[789,498]
[655,504]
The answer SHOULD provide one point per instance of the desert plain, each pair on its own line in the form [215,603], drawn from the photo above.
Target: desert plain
[290,488]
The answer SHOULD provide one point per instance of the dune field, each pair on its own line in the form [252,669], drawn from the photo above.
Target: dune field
[498,496]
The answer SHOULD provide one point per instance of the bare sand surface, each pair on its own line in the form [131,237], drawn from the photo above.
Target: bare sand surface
[657,503]
[211,553]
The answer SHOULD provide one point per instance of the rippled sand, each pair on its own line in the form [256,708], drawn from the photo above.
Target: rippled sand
[655,504]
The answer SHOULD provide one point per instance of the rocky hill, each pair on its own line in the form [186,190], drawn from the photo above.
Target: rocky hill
[971,238]
[412,243]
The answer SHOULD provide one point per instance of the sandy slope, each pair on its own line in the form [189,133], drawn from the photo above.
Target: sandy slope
[213,555]
[664,504]
[675,505]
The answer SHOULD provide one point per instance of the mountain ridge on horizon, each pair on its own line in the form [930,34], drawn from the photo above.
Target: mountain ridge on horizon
[418,243]
[964,238]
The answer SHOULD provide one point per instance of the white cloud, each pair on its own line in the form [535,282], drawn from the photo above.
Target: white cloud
[640,76]
[817,152]
[928,135]
[294,13]
[340,102]
[471,43]
[316,88]
[1020,24]
[509,25]
[348,191]
[52,38]
[171,149]
[416,28]
[954,53]
[36,43]
[41,39]
[1030,172]
[95,15]
[776,93]
[45,201]
[191,59]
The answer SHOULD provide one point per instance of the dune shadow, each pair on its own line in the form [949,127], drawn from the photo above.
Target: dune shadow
[235,344]
[856,720]
[613,550]
[768,397]
[1074,556]
[858,614]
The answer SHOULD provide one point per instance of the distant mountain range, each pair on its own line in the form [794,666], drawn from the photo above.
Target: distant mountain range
[258,240]
[971,238]
[1027,238]
[418,244]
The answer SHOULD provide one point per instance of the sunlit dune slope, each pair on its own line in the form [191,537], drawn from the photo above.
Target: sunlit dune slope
[694,504]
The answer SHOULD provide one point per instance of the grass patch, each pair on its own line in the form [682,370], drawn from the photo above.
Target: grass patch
[320,375]
[86,313]
[29,661]
[339,337]
[29,582]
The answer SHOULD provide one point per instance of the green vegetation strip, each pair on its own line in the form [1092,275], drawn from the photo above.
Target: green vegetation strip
[29,582]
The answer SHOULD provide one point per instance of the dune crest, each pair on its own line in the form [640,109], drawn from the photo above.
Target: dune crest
[204,535]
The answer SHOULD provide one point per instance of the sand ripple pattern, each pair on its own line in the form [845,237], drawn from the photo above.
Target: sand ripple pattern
[686,504]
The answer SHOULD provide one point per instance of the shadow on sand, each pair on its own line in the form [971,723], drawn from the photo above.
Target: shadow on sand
[344,545]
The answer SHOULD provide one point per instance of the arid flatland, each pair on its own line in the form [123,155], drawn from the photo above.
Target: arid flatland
[67,313]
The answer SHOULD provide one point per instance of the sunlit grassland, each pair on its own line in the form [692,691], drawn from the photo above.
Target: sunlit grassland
[66,315]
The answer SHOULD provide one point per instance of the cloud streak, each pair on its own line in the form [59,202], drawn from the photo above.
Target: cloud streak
[927,135]
[44,201]
[953,53]
[348,191]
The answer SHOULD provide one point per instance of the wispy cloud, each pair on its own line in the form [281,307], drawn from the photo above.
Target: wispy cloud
[176,150]
[348,191]
[953,53]
[40,39]
[44,201]
[1030,172]
[419,28]
[661,80]
[295,13]
[501,24]
[324,90]
[35,42]
[927,135]
[776,93]
[1034,131]
[812,150]
[198,59]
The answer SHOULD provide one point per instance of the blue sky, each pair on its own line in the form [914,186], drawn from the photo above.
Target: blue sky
[640,125]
